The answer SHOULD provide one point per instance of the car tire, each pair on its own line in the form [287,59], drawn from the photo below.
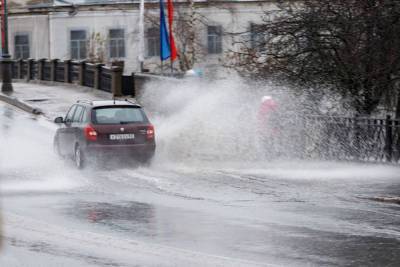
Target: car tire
[147,159]
[56,148]
[79,158]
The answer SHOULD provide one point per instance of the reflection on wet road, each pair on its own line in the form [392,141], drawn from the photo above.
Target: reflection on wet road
[203,214]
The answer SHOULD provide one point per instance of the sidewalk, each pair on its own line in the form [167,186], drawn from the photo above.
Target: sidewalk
[50,100]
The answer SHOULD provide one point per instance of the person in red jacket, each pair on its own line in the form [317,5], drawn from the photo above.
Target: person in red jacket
[267,124]
[266,113]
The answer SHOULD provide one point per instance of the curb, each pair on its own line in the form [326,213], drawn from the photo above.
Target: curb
[393,200]
[20,104]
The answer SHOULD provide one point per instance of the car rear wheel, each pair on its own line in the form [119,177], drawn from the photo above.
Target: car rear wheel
[79,158]
[146,159]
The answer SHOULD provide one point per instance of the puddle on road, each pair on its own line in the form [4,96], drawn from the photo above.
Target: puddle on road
[105,213]
[133,217]
[216,235]
[165,225]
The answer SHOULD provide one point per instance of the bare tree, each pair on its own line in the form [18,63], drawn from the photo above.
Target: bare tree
[186,36]
[96,47]
[188,23]
[351,46]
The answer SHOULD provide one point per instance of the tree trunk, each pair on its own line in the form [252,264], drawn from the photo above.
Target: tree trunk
[191,49]
[398,105]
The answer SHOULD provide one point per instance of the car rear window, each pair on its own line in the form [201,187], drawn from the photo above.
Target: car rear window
[118,115]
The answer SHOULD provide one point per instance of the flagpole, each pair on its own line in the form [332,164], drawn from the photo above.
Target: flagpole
[141,36]
[165,50]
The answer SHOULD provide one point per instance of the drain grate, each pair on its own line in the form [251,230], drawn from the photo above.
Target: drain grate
[37,100]
[394,200]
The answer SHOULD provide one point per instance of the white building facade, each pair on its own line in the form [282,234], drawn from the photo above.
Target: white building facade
[109,31]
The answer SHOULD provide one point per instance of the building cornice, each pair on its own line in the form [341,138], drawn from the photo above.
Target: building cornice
[64,7]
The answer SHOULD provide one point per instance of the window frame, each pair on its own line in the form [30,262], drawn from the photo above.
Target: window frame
[79,44]
[214,40]
[120,49]
[257,38]
[153,41]
[18,46]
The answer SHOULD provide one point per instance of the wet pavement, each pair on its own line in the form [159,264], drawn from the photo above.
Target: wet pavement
[53,100]
[185,214]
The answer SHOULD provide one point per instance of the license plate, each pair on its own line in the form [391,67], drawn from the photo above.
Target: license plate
[122,136]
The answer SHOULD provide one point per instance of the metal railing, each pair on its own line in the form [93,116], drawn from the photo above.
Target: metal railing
[338,138]
[98,76]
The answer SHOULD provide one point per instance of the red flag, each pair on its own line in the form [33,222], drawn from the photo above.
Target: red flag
[174,52]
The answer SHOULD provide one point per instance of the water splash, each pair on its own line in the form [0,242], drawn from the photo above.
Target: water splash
[199,120]
[27,161]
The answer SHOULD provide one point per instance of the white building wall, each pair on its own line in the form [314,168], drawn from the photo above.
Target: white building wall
[95,22]
[49,34]
[37,29]
[234,18]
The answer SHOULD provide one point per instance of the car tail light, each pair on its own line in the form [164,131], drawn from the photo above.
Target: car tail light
[150,132]
[90,133]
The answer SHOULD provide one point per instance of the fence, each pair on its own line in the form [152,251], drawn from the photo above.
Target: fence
[338,138]
[98,76]
[357,138]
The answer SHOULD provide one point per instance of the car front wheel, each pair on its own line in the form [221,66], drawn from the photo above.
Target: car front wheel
[57,148]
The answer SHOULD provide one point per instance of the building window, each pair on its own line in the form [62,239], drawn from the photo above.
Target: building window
[78,44]
[21,42]
[257,37]
[117,43]
[214,34]
[153,42]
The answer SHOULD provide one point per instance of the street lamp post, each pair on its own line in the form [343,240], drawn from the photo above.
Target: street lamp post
[6,87]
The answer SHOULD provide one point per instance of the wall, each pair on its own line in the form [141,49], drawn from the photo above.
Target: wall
[50,33]
[37,27]
[97,22]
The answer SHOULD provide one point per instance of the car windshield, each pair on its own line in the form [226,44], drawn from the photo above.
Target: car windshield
[118,115]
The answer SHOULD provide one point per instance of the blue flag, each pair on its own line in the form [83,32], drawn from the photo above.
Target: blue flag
[165,50]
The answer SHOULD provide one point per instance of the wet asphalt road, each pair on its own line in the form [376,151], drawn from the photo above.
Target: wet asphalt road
[189,214]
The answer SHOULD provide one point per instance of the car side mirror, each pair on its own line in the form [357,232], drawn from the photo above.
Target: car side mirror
[59,120]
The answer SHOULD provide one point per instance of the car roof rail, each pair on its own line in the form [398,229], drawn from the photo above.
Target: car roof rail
[130,101]
[133,102]
[90,102]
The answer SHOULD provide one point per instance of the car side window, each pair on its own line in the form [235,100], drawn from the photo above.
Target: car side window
[78,114]
[84,115]
[70,114]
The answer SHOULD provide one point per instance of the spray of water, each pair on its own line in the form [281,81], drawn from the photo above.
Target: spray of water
[217,121]
[210,129]
[27,161]
[198,120]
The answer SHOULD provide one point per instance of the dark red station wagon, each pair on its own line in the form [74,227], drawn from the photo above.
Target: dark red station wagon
[104,129]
